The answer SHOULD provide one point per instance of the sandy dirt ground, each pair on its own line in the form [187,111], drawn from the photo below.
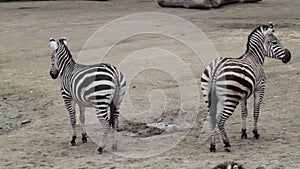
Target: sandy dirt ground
[34,124]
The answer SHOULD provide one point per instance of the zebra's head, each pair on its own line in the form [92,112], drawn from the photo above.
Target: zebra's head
[273,47]
[58,57]
[229,165]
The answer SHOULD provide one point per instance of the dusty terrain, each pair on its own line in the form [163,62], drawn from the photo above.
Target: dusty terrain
[34,124]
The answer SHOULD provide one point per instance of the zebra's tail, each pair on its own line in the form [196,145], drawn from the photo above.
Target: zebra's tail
[213,101]
[117,99]
[112,114]
[208,82]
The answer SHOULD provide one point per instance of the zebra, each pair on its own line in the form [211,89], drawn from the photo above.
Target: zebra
[101,86]
[229,165]
[231,81]
[233,165]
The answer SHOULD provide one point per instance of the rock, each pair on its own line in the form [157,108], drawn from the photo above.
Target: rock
[261,167]
[204,4]
[158,120]
[185,3]
[25,121]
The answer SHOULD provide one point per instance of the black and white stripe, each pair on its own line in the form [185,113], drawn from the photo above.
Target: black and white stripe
[101,86]
[229,165]
[231,81]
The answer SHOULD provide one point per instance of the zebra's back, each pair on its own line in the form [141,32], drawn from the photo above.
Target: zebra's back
[234,78]
[97,85]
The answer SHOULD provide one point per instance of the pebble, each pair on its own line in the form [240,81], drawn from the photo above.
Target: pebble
[261,167]
[25,121]
[159,120]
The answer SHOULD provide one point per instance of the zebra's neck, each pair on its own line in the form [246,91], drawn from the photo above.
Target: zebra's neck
[255,49]
[66,76]
[68,67]
[258,59]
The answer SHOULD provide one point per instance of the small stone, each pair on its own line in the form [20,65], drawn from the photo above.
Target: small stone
[261,167]
[25,121]
[158,120]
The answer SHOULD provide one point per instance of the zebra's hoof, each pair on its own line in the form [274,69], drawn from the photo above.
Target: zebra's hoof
[227,149]
[84,138]
[99,150]
[212,148]
[226,146]
[256,135]
[114,147]
[244,134]
[72,143]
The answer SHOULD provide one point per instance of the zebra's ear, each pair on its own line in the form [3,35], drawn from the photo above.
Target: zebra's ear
[53,44]
[269,30]
[64,40]
[272,26]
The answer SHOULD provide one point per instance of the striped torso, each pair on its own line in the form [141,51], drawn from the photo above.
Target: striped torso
[233,77]
[94,85]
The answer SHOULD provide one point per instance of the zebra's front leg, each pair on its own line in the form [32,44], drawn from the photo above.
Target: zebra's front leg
[104,122]
[70,105]
[244,117]
[82,123]
[258,97]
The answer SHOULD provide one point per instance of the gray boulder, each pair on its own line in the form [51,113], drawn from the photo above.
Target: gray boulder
[204,4]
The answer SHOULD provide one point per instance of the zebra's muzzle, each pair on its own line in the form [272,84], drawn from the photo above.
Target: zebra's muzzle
[54,74]
[287,56]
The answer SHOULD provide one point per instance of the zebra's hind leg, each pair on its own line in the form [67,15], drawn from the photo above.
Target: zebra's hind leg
[223,116]
[104,122]
[114,115]
[244,117]
[82,123]
[258,97]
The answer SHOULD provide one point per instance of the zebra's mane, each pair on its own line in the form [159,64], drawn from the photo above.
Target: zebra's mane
[257,29]
[61,41]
